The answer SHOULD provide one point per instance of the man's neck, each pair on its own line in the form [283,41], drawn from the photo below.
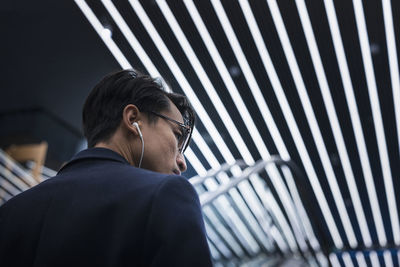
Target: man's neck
[124,151]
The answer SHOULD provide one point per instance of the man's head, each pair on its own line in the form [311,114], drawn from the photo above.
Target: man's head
[128,96]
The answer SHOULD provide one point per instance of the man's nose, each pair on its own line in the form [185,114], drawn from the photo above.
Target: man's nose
[180,160]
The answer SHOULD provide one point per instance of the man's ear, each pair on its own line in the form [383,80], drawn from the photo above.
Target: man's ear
[131,114]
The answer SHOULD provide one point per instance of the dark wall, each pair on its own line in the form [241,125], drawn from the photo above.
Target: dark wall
[50,59]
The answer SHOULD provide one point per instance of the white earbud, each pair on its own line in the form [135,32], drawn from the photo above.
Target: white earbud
[141,139]
[138,128]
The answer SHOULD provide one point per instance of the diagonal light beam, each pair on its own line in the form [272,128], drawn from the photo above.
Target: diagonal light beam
[355,119]
[377,118]
[205,80]
[246,116]
[334,122]
[394,73]
[288,50]
[114,48]
[115,51]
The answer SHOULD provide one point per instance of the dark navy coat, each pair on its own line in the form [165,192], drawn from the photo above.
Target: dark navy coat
[100,211]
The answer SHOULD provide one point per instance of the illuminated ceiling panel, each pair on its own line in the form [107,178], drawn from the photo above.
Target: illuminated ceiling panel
[316,83]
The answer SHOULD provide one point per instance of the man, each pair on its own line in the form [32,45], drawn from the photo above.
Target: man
[121,202]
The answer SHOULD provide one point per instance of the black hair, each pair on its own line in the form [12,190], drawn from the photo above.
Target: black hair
[102,111]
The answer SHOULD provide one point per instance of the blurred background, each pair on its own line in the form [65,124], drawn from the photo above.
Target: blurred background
[51,58]
[296,150]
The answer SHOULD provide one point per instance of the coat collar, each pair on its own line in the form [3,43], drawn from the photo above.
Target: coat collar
[95,153]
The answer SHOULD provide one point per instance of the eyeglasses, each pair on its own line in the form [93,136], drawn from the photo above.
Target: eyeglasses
[186,132]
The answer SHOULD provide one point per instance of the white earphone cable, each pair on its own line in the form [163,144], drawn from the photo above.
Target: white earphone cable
[141,139]
[141,155]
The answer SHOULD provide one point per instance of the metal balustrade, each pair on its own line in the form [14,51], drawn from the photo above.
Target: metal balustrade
[227,209]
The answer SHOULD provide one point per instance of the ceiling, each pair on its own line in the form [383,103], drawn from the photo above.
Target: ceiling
[315,82]
[50,59]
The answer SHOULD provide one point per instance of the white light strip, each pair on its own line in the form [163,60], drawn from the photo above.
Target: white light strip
[194,159]
[186,87]
[139,51]
[46,172]
[244,186]
[231,36]
[115,50]
[253,85]
[270,204]
[394,73]
[377,118]
[121,59]
[110,49]
[202,171]
[110,7]
[337,133]
[9,187]
[287,202]
[214,252]
[361,259]
[398,256]
[205,150]
[4,195]
[317,136]
[223,71]
[314,129]
[147,62]
[334,260]
[259,223]
[227,79]
[205,81]
[232,218]
[195,162]
[217,241]
[276,85]
[115,14]
[226,212]
[13,179]
[311,261]
[323,261]
[355,119]
[387,256]
[373,256]
[275,211]
[279,240]
[208,86]
[274,208]
[251,221]
[278,184]
[305,221]
[347,260]
[259,187]
[24,175]
[184,84]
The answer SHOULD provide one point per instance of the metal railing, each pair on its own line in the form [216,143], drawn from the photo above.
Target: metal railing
[246,230]
[14,178]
